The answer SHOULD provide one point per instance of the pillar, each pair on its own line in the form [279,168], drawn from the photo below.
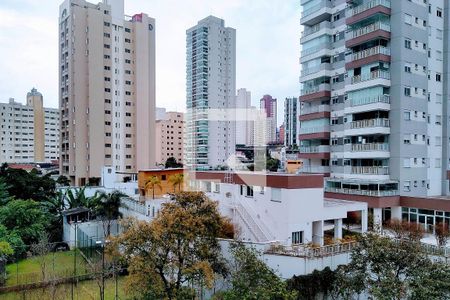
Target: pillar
[317,234]
[338,229]
[396,212]
[377,218]
[364,220]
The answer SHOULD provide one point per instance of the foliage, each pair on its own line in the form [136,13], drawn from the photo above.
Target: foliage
[171,162]
[442,234]
[251,278]
[40,250]
[25,218]
[77,198]
[176,180]
[106,208]
[153,182]
[24,185]
[405,230]
[390,269]
[14,240]
[5,249]
[4,194]
[316,284]
[176,251]
[63,180]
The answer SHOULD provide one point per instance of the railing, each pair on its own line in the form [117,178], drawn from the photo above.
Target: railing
[314,109]
[316,88]
[370,100]
[370,147]
[371,193]
[371,51]
[134,205]
[314,169]
[321,67]
[311,252]
[370,28]
[371,76]
[316,28]
[309,130]
[254,227]
[370,170]
[315,149]
[315,8]
[369,123]
[324,45]
[368,5]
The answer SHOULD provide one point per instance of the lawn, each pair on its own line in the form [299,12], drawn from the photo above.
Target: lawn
[57,265]
[85,290]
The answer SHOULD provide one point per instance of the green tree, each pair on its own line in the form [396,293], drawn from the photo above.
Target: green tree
[77,198]
[171,162]
[25,218]
[152,183]
[314,285]
[14,240]
[106,208]
[176,180]
[63,180]
[4,194]
[391,269]
[176,251]
[252,279]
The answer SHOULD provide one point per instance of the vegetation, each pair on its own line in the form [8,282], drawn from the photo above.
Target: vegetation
[318,284]
[176,251]
[177,181]
[152,183]
[63,180]
[442,234]
[171,162]
[106,208]
[251,278]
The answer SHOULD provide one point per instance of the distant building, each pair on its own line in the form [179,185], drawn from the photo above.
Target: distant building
[169,137]
[269,105]
[107,89]
[244,129]
[281,134]
[291,112]
[164,175]
[29,133]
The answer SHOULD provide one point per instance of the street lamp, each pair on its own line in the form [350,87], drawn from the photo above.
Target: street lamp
[75,223]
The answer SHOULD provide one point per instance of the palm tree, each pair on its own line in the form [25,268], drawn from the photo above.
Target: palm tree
[77,198]
[152,183]
[106,207]
[176,180]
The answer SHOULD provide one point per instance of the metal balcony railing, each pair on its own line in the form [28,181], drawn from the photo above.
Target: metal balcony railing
[377,74]
[370,123]
[371,51]
[370,170]
[372,193]
[370,28]
[316,28]
[370,147]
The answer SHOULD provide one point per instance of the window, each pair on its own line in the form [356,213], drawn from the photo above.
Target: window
[407,186]
[275,195]
[249,191]
[407,115]
[407,139]
[408,19]
[438,120]
[297,237]
[107,24]
[408,44]
[407,91]
[439,12]
[438,77]
[407,69]
[163,177]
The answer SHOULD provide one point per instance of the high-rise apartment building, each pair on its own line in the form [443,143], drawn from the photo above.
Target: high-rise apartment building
[374,116]
[107,89]
[29,133]
[269,105]
[169,137]
[211,88]
[291,113]
[244,129]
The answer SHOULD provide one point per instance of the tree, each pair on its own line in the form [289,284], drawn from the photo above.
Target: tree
[390,269]
[63,180]
[40,250]
[442,234]
[176,180]
[404,230]
[314,285]
[14,240]
[176,251]
[55,206]
[106,207]
[77,198]
[251,278]
[171,162]
[26,218]
[4,194]
[152,183]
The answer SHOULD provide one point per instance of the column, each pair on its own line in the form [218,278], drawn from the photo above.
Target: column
[364,220]
[318,233]
[338,229]
[377,218]
[396,212]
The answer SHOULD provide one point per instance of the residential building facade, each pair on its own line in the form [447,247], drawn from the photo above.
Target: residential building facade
[107,89]
[269,105]
[291,113]
[211,88]
[373,115]
[169,137]
[244,131]
[29,133]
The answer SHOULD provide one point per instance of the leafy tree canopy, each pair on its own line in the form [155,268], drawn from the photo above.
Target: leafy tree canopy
[171,162]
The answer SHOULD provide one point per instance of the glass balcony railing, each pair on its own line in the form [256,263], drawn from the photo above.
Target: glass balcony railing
[370,123]
[369,100]
[316,8]
[370,28]
[370,170]
[318,129]
[314,169]
[321,67]
[316,28]
[315,149]
[370,147]
[315,49]
[373,193]
[378,74]
[316,89]
[314,109]
[368,5]
[371,51]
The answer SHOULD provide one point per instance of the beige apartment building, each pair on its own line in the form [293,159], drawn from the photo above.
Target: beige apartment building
[29,133]
[107,90]
[169,137]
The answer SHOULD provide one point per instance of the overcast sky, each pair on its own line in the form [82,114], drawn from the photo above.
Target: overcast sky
[267,46]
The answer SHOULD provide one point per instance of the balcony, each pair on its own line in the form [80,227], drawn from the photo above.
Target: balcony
[316,93]
[370,147]
[378,74]
[368,9]
[315,49]
[317,13]
[321,67]
[374,78]
[368,33]
[309,31]
[370,123]
[368,56]
[370,100]
[315,152]
[320,132]
[370,193]
[370,170]
[314,169]
[368,127]
[314,109]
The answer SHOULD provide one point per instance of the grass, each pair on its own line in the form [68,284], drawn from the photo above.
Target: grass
[58,264]
[85,290]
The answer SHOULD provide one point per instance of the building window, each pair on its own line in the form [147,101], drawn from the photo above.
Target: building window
[297,237]
[438,77]
[407,115]
[406,163]
[439,12]
[275,195]
[408,44]
[407,91]
[407,186]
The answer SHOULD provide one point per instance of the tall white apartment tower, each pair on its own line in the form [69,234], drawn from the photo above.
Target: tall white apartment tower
[244,130]
[290,122]
[374,104]
[106,88]
[210,87]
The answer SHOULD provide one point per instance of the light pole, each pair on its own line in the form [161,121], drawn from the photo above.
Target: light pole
[74,256]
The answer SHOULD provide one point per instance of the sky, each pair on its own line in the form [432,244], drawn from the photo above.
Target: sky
[267,46]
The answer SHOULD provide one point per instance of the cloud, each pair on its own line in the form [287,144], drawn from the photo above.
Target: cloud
[268,35]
